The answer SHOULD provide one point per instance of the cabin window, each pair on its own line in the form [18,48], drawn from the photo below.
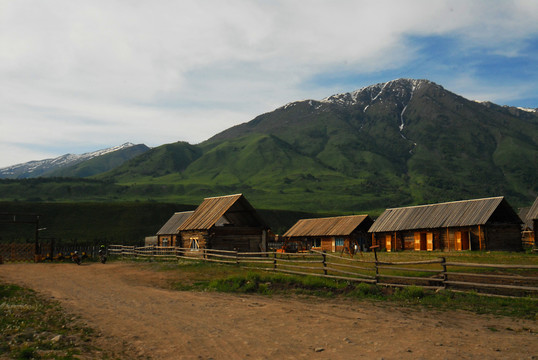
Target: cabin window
[194,244]
[165,241]
[339,241]
[316,243]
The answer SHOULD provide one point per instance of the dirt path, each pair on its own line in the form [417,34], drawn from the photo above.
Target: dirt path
[150,322]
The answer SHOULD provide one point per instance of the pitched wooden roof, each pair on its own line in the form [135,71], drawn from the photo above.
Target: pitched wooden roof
[331,226]
[449,214]
[172,225]
[235,208]
[533,212]
[523,212]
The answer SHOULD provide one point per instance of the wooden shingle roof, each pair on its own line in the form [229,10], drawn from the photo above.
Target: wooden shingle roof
[332,226]
[172,225]
[235,208]
[533,212]
[449,214]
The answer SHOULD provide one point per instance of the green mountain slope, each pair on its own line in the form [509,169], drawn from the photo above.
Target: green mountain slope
[159,161]
[391,144]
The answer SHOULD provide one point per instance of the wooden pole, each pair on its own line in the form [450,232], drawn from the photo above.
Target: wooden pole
[445,275]
[36,250]
[375,247]
[324,262]
[479,238]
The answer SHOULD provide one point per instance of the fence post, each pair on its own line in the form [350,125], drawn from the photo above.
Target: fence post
[324,262]
[236,257]
[375,247]
[274,260]
[445,275]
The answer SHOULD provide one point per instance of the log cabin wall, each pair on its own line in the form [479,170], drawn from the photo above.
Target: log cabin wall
[408,238]
[199,237]
[535,231]
[527,239]
[490,237]
[503,237]
[327,244]
[405,240]
[448,238]
[455,225]
[167,240]
[242,239]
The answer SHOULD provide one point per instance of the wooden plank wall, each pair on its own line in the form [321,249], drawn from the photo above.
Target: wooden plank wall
[504,237]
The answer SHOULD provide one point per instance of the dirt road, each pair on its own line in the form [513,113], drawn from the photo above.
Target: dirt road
[128,305]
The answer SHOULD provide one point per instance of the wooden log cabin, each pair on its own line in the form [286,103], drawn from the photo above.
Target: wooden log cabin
[479,224]
[333,234]
[224,223]
[530,228]
[169,232]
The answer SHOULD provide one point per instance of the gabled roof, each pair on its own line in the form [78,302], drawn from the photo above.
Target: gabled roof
[331,226]
[172,225]
[235,208]
[523,212]
[533,212]
[449,214]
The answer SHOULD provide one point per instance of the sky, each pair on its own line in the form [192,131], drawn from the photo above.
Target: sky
[83,75]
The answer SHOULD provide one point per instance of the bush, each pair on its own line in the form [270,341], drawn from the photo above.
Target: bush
[363,290]
[410,293]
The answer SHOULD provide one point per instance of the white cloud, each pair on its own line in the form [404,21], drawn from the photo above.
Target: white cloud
[103,72]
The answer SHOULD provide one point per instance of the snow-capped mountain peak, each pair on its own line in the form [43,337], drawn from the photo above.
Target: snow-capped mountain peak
[368,95]
[38,167]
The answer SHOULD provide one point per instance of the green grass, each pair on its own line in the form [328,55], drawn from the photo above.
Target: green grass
[34,328]
[202,276]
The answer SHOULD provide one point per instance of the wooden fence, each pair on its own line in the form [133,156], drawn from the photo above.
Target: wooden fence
[513,280]
[17,252]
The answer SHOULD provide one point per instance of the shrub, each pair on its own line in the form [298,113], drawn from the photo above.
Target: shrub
[410,293]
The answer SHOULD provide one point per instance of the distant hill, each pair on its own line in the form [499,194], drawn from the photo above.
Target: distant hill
[72,165]
[397,143]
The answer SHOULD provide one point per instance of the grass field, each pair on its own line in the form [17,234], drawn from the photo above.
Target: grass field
[192,275]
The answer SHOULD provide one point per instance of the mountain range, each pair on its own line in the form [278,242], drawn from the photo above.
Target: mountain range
[75,165]
[397,143]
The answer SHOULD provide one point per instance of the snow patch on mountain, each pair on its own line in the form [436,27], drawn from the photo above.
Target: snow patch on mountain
[375,92]
[528,110]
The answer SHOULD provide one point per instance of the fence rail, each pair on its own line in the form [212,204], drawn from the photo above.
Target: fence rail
[433,273]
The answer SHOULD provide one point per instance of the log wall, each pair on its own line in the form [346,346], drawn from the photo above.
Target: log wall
[504,237]
[224,238]
[489,237]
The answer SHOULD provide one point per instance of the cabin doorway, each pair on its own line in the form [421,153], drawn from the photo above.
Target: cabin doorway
[462,240]
[388,242]
[423,241]
[420,241]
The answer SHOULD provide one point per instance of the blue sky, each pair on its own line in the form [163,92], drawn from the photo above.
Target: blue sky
[81,76]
